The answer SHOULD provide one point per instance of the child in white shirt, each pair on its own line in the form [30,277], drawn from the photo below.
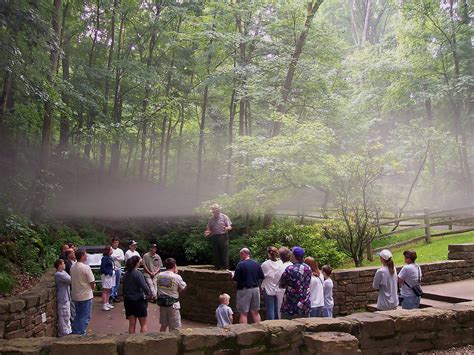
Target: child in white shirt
[327,290]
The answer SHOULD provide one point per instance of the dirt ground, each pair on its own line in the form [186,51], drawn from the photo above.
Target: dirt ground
[114,322]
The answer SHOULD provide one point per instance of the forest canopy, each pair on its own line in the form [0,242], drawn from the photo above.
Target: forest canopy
[155,107]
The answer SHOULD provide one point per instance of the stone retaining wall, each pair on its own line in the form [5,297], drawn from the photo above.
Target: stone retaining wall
[352,287]
[31,314]
[397,331]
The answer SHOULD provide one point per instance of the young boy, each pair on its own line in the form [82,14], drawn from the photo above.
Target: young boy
[63,286]
[224,312]
[327,290]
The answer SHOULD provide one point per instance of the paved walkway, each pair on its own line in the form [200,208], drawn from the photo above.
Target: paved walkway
[114,322]
[458,291]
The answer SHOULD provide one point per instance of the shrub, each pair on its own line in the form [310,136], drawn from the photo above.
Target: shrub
[7,283]
[288,233]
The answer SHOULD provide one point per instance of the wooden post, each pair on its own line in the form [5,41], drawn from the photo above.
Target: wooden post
[427,226]
[370,255]
[450,226]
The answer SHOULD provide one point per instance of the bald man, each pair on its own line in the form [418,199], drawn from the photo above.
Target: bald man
[248,275]
[218,229]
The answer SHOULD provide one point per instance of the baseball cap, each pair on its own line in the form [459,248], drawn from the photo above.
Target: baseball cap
[132,242]
[385,254]
[298,252]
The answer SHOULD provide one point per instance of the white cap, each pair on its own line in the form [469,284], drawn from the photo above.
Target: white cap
[386,254]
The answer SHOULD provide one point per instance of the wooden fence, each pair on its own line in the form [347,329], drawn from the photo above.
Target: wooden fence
[455,221]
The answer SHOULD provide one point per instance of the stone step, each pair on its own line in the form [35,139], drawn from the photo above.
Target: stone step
[443,298]
[426,302]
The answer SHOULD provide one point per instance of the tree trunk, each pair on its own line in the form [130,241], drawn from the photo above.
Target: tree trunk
[64,125]
[167,151]
[117,111]
[180,144]
[151,49]
[47,128]
[90,119]
[282,107]
[232,109]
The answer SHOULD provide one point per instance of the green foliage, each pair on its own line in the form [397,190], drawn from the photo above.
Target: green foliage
[289,234]
[7,283]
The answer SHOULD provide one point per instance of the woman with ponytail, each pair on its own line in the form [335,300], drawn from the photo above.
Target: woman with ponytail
[271,271]
[386,282]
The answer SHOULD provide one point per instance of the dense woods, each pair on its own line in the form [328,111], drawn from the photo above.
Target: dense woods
[124,107]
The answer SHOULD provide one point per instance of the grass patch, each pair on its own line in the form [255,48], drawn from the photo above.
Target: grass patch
[436,251]
[399,237]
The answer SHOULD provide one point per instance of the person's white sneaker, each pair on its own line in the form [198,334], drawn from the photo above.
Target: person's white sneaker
[110,306]
[105,308]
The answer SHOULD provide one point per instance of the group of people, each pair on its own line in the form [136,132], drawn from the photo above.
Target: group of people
[75,284]
[293,287]
[387,282]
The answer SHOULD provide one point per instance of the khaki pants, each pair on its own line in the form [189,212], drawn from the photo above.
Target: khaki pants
[64,319]
[152,284]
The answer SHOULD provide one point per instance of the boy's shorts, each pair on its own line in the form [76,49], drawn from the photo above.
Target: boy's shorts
[170,317]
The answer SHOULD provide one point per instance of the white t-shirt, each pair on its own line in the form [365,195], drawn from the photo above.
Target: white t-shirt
[387,284]
[118,257]
[169,284]
[327,288]
[316,292]
[81,278]
[129,254]
[411,273]
[271,271]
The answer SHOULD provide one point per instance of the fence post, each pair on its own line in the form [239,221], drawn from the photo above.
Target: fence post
[427,226]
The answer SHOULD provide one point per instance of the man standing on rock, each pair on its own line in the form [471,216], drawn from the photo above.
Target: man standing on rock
[151,266]
[217,228]
[83,284]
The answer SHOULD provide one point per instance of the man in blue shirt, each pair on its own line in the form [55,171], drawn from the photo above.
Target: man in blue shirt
[248,275]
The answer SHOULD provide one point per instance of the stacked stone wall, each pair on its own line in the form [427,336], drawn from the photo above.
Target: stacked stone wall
[353,289]
[396,332]
[31,314]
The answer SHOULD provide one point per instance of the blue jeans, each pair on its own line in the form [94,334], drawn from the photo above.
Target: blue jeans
[327,313]
[316,312]
[115,289]
[271,305]
[83,316]
[411,302]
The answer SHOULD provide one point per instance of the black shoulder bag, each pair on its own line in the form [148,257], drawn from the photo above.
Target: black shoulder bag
[417,290]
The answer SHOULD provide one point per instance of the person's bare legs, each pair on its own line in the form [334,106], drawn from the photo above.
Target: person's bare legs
[132,322]
[105,295]
[256,316]
[163,328]
[243,319]
[143,325]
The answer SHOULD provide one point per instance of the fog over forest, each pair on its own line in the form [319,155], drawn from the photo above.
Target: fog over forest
[147,108]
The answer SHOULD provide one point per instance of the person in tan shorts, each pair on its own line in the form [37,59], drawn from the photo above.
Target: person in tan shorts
[170,284]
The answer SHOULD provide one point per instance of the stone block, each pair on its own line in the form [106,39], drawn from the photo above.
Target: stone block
[282,332]
[331,343]
[14,325]
[17,305]
[415,320]
[4,306]
[345,274]
[373,325]
[461,247]
[247,335]
[254,350]
[328,325]
[148,344]
[199,338]
[33,346]
[30,299]
[20,333]
[90,345]
[460,255]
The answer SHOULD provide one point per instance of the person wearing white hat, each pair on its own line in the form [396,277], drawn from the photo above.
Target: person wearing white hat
[218,229]
[386,282]
[132,250]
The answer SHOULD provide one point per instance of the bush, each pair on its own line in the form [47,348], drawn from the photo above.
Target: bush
[7,283]
[288,233]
